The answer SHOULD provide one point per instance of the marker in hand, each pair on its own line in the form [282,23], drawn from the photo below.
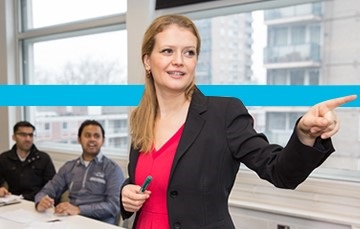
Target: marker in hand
[146,183]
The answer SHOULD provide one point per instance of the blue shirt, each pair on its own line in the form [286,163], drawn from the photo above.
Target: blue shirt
[95,188]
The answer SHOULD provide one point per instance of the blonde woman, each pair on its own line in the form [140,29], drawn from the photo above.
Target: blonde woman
[192,145]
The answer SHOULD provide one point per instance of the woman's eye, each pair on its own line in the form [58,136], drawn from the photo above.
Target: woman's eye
[167,51]
[190,53]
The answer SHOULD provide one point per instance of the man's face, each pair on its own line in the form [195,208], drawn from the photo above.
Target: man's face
[91,140]
[24,138]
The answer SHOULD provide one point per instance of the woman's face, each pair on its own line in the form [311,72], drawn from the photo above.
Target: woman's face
[173,59]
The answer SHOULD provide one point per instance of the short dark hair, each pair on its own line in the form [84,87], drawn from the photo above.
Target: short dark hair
[90,122]
[23,124]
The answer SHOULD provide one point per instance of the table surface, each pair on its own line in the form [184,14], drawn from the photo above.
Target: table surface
[24,216]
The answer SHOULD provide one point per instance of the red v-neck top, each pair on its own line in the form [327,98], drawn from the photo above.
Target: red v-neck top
[157,163]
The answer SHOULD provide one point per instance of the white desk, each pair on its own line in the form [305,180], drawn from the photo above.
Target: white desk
[24,216]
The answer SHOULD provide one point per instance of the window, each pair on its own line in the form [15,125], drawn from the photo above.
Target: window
[280,125]
[278,36]
[297,77]
[293,45]
[78,60]
[93,53]
[298,35]
[293,76]
[42,13]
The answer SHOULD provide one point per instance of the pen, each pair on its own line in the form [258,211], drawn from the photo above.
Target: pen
[53,221]
[52,205]
[146,183]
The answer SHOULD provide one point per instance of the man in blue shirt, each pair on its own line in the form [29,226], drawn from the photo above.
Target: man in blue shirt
[92,180]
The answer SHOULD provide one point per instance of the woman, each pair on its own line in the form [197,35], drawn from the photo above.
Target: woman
[192,145]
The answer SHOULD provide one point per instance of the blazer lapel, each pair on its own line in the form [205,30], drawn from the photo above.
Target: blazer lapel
[193,125]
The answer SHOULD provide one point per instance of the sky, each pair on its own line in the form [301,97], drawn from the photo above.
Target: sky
[50,12]
[111,45]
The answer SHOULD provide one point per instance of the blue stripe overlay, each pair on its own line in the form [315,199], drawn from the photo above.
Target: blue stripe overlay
[130,95]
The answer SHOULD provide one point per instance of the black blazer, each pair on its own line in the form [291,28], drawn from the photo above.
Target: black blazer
[218,135]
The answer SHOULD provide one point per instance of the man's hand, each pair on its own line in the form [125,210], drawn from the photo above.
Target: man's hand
[65,208]
[4,192]
[45,203]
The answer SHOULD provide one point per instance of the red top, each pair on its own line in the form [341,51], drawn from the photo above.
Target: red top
[157,163]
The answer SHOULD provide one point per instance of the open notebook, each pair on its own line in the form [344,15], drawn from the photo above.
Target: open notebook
[10,199]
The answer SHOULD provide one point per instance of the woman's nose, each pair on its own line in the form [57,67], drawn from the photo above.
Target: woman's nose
[177,59]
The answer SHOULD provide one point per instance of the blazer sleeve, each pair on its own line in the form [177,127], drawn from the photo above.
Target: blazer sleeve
[284,167]
[133,155]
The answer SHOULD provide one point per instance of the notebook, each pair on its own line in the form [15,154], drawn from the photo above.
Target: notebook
[10,199]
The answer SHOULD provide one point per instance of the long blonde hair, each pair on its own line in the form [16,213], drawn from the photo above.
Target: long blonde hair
[142,119]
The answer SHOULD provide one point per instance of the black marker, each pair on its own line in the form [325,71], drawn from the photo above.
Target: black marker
[146,183]
[53,221]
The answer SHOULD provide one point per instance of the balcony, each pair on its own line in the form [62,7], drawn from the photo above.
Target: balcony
[300,11]
[290,54]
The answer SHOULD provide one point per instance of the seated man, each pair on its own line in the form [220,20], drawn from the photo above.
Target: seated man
[24,168]
[92,180]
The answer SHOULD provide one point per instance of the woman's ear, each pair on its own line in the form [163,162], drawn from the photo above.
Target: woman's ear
[147,63]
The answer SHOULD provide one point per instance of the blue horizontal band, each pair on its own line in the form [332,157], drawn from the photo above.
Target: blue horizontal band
[129,95]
